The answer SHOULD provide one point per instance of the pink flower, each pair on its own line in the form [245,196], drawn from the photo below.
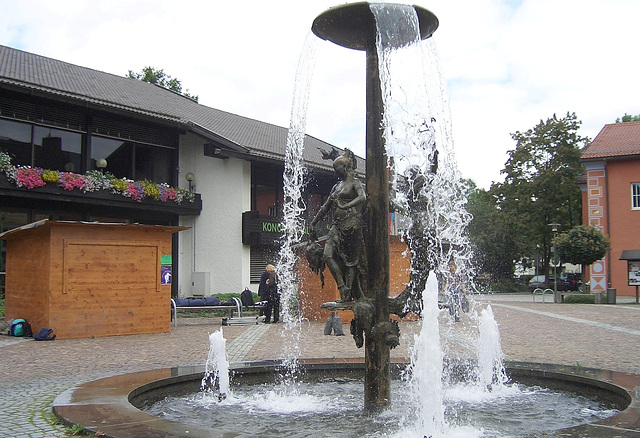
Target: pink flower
[134,191]
[29,178]
[70,181]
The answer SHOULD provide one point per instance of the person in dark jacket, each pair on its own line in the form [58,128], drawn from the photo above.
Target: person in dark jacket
[268,291]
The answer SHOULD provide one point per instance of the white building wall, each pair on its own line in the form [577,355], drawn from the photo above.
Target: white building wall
[214,242]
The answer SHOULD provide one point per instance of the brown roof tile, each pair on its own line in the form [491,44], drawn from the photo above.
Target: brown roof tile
[615,140]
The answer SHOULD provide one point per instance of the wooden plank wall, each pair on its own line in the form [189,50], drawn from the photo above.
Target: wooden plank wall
[108,282]
[27,279]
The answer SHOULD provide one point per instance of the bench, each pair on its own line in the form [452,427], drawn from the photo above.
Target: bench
[599,297]
[543,292]
[229,309]
[230,320]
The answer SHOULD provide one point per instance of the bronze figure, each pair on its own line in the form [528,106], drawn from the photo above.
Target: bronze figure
[344,250]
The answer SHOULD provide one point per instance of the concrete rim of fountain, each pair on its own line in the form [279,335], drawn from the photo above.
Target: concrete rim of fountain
[104,405]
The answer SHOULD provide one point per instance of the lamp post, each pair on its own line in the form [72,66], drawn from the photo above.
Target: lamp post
[554,227]
[101,164]
[191,178]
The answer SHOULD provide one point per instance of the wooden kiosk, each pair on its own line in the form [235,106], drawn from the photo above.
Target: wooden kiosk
[90,279]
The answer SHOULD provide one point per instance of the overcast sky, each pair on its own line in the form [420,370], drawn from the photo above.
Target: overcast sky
[508,64]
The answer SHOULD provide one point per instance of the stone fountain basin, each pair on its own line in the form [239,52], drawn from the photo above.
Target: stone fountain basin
[108,405]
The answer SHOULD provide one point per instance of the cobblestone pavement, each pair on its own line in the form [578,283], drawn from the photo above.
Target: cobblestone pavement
[33,373]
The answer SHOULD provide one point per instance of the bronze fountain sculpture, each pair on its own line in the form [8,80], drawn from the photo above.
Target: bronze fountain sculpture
[361,267]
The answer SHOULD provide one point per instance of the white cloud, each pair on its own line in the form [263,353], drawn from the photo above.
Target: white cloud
[509,63]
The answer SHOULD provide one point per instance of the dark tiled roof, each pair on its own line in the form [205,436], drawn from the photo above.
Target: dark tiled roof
[57,78]
[615,140]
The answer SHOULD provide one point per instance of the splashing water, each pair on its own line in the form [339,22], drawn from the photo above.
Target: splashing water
[417,132]
[426,187]
[425,372]
[293,208]
[490,358]
[216,374]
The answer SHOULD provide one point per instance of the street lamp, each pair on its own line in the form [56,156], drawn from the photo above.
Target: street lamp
[191,178]
[101,164]
[554,227]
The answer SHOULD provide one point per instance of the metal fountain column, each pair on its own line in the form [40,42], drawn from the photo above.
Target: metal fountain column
[377,377]
[353,26]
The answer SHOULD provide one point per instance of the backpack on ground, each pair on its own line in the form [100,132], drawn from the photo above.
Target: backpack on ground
[45,334]
[20,327]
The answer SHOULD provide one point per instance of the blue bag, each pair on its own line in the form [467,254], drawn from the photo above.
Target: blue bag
[45,334]
[20,327]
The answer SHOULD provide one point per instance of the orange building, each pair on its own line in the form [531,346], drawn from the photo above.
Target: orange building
[611,201]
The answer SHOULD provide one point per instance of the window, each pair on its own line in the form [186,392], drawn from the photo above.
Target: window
[126,159]
[635,196]
[56,149]
[15,139]
[153,163]
[117,153]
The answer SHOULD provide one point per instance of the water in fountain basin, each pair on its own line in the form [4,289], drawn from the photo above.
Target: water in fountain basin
[334,408]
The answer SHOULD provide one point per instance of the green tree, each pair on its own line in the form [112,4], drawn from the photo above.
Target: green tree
[159,77]
[492,237]
[540,186]
[628,118]
[582,245]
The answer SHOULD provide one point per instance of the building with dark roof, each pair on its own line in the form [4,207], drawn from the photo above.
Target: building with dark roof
[68,120]
[611,203]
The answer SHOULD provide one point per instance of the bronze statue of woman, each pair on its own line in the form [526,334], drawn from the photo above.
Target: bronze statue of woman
[344,251]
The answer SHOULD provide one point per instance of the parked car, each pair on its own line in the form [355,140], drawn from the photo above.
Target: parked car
[539,281]
[536,282]
[575,280]
[563,282]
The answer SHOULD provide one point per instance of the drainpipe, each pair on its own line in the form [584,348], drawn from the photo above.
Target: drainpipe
[606,182]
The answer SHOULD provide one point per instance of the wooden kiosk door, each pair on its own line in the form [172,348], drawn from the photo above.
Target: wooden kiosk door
[110,288]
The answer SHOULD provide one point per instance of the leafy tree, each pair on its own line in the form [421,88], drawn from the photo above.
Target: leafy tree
[492,237]
[582,245]
[159,77]
[540,186]
[628,118]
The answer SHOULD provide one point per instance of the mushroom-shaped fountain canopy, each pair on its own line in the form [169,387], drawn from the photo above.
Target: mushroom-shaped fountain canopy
[353,25]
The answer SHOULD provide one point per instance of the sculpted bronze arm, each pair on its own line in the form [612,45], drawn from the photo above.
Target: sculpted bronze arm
[323,210]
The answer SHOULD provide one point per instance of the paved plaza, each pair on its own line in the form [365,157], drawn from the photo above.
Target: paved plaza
[33,373]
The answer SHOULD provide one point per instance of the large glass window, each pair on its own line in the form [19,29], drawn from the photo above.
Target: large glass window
[635,196]
[153,163]
[117,153]
[56,149]
[132,160]
[62,150]
[15,139]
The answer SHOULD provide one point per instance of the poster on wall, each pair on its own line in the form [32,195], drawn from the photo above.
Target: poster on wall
[634,272]
[165,274]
